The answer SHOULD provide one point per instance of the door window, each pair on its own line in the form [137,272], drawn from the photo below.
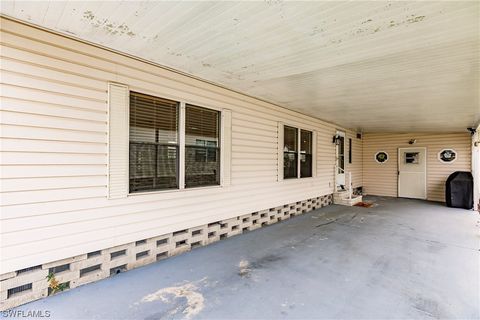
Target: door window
[341,155]
[412,157]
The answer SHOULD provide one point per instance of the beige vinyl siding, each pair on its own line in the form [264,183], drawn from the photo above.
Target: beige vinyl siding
[381,179]
[54,151]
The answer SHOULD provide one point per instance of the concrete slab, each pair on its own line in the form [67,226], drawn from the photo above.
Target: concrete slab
[400,259]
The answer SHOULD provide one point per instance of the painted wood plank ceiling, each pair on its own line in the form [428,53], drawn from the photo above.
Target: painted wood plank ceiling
[369,66]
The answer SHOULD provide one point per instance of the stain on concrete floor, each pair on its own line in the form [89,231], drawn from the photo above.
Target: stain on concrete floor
[401,259]
[191,301]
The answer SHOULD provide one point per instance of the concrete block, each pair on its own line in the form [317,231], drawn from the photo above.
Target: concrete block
[180,236]
[263,212]
[100,264]
[142,260]
[22,298]
[213,227]
[163,243]
[196,243]
[147,246]
[64,261]
[235,229]
[272,218]
[67,276]
[245,221]
[198,234]
[235,232]
[256,224]
[142,245]
[102,258]
[229,222]
[160,255]
[179,249]
[213,237]
[263,219]
[90,277]
[125,247]
[224,227]
[120,260]
[284,216]
[7,275]
[24,278]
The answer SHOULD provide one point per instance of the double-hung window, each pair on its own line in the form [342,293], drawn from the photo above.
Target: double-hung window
[202,147]
[306,153]
[155,145]
[297,153]
[290,152]
[154,149]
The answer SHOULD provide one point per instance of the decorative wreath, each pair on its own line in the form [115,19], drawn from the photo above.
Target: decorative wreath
[381,157]
[447,156]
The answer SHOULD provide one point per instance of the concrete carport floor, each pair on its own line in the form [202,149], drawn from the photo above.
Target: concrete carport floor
[399,259]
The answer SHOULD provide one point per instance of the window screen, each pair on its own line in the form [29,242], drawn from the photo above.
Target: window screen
[305,154]
[290,152]
[202,147]
[153,143]
[349,150]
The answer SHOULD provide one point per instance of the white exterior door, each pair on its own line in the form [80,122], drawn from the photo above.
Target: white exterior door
[412,173]
[340,158]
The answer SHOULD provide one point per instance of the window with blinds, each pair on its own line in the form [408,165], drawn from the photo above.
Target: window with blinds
[154,145]
[305,154]
[202,147]
[297,153]
[290,152]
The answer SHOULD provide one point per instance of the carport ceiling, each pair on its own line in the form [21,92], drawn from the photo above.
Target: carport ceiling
[371,66]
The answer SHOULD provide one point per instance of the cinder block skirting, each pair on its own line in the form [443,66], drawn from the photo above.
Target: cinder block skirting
[31,283]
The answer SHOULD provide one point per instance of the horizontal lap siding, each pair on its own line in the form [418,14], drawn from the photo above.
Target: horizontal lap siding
[54,152]
[381,179]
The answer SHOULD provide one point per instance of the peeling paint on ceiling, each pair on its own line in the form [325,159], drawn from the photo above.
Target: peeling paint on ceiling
[372,66]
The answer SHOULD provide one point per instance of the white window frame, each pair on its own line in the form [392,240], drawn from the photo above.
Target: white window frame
[224,142]
[281,144]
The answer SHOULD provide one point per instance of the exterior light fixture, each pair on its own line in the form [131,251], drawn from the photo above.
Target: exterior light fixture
[336,139]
